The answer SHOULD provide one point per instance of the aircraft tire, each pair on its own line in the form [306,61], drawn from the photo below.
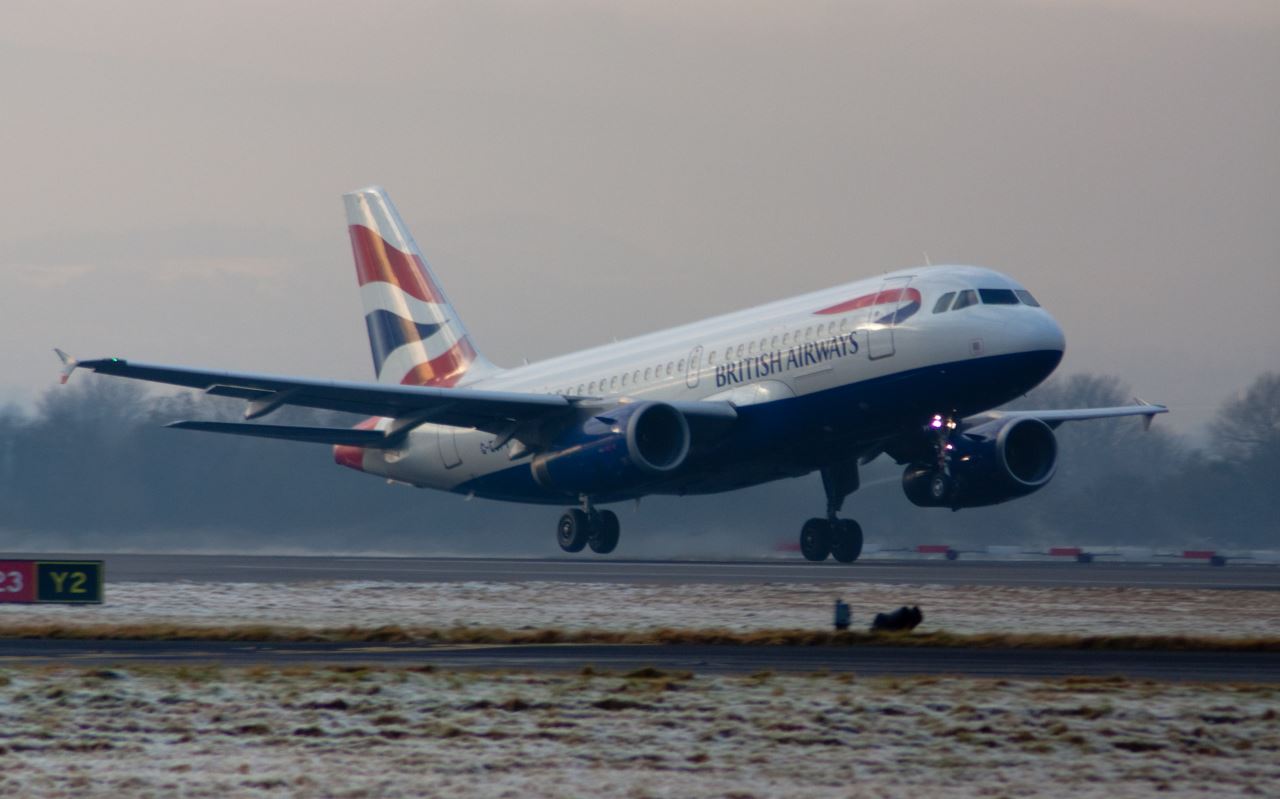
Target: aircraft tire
[572,531]
[815,540]
[605,532]
[846,540]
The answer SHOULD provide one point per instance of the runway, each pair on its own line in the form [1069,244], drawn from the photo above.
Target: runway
[587,569]
[862,660]
[632,589]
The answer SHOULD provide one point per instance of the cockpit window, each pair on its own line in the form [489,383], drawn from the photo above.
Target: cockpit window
[944,302]
[998,296]
[1026,298]
[964,299]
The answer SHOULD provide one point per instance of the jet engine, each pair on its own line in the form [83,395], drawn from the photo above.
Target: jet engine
[988,464]
[629,445]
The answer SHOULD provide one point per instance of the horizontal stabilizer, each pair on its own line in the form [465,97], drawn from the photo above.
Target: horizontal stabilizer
[317,435]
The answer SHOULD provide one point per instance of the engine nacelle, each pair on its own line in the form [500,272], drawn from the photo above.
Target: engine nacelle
[992,463]
[628,445]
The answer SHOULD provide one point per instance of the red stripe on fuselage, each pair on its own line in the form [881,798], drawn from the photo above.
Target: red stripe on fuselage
[353,457]
[878,298]
[445,370]
[378,260]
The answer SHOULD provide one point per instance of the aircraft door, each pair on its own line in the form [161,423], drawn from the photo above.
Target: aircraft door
[884,312]
[695,365]
[448,445]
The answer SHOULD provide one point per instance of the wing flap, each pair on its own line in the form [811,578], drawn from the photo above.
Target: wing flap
[374,439]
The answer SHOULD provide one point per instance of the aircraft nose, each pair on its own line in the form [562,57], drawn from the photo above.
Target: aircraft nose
[1035,331]
[1049,335]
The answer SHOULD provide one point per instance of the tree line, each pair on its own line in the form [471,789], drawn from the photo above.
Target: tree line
[92,467]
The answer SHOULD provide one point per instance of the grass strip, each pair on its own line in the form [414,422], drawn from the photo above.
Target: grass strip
[664,636]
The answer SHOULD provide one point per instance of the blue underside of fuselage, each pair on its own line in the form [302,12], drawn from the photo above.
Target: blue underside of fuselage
[794,436]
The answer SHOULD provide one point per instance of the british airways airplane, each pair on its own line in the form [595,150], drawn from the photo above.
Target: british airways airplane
[908,364]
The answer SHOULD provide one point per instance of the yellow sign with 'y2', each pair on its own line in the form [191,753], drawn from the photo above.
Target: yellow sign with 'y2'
[64,581]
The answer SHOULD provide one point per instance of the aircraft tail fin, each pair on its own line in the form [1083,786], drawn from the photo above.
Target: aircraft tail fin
[414,333]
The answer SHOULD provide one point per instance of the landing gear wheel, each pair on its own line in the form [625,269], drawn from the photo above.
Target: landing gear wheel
[846,540]
[815,540]
[572,531]
[940,486]
[603,537]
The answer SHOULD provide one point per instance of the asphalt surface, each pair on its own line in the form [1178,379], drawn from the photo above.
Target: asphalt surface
[1238,575]
[863,660]
[868,660]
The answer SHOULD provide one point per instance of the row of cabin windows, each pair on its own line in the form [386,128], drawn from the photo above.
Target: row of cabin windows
[963,299]
[677,367]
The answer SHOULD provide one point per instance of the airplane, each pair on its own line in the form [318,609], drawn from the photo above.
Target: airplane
[912,364]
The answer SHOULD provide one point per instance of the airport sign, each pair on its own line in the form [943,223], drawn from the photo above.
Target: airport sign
[46,581]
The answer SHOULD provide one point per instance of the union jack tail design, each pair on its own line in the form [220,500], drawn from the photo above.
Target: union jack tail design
[416,337]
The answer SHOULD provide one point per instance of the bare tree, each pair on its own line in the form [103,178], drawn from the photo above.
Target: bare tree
[1248,424]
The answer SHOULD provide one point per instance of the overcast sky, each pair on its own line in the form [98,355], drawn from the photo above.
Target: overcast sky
[580,171]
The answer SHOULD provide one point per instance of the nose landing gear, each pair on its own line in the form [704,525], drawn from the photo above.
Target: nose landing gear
[586,527]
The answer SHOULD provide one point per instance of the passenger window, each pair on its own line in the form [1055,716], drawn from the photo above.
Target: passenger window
[647,373]
[635,378]
[808,333]
[711,357]
[1026,298]
[624,381]
[680,365]
[613,383]
[764,344]
[844,323]
[741,349]
[581,389]
[775,342]
[592,387]
[728,353]
[670,367]
[786,339]
[751,348]
[944,302]
[998,296]
[964,299]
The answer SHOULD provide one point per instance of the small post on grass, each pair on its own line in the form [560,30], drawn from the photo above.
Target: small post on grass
[842,615]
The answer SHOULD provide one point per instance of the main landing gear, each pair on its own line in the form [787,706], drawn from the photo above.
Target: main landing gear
[839,538]
[586,526]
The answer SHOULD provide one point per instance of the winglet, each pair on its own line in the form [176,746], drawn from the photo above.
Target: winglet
[69,364]
[1148,418]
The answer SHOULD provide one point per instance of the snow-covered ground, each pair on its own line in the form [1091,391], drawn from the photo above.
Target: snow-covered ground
[334,732]
[624,607]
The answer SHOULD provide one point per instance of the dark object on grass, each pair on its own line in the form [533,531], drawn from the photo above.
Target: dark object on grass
[904,618]
[842,615]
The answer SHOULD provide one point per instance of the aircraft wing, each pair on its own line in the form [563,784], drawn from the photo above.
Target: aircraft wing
[460,407]
[504,413]
[1053,418]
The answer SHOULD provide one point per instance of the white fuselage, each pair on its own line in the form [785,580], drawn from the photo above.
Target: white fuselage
[764,356]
